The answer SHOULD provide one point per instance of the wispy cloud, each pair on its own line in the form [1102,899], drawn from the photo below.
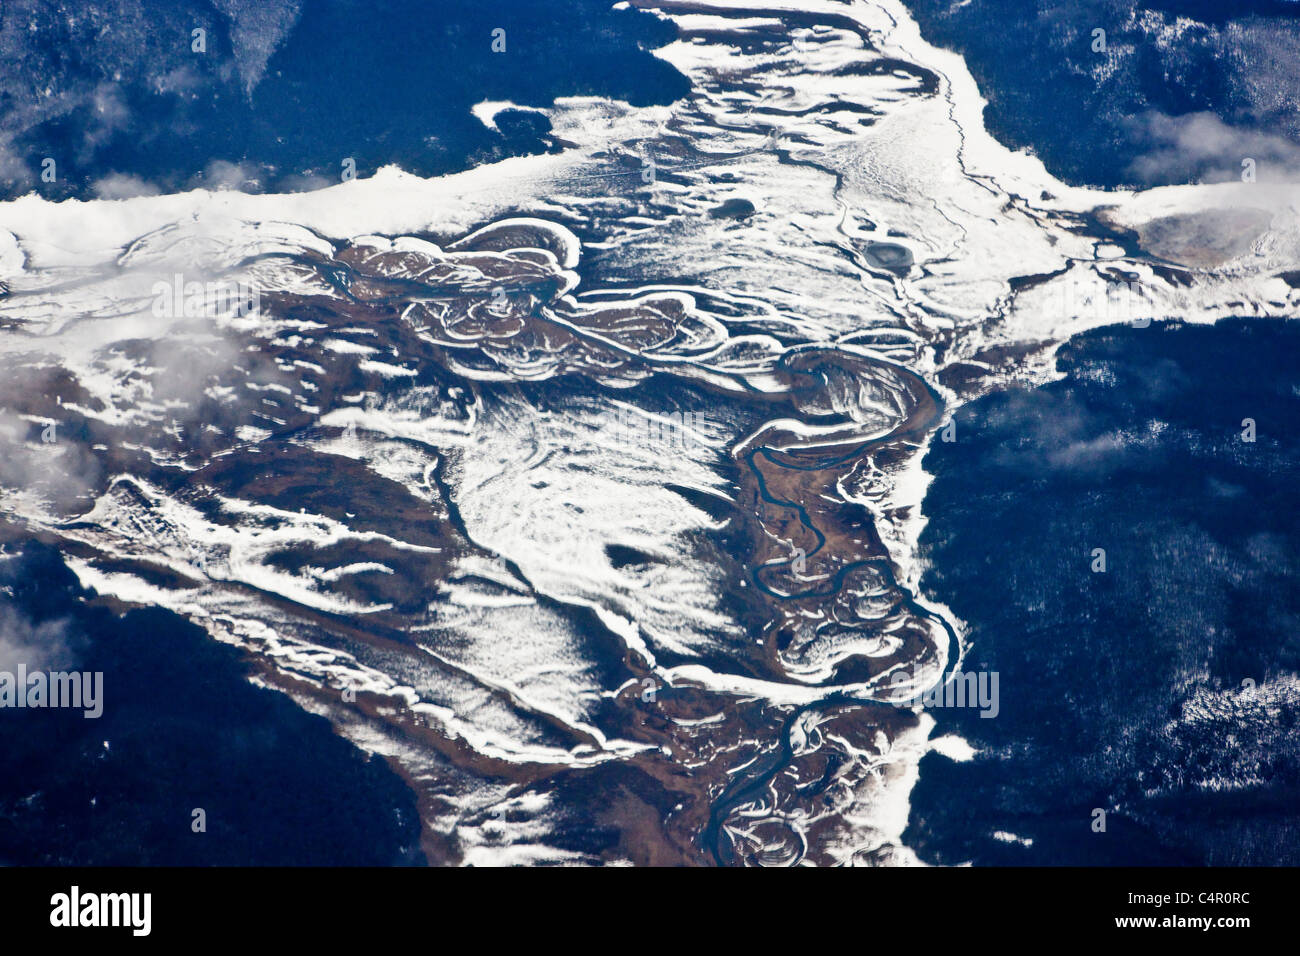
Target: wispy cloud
[43,646]
[1200,147]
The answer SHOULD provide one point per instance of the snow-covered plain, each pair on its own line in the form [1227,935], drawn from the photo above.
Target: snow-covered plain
[433,480]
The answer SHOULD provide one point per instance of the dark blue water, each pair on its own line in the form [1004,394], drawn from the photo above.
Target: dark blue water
[1035,64]
[384,82]
[1119,690]
[184,730]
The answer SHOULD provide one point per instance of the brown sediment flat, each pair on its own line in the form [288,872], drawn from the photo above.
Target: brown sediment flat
[498,305]
[811,480]
[1204,240]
